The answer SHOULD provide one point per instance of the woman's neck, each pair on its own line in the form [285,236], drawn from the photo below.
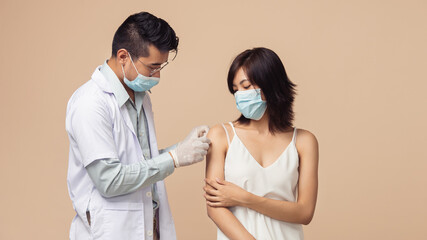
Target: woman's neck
[261,126]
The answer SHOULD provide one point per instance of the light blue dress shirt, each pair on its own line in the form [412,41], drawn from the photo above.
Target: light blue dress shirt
[111,177]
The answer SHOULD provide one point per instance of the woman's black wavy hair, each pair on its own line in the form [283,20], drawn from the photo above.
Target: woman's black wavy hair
[140,30]
[264,68]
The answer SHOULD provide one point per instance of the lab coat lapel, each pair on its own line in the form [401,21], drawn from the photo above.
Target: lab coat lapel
[146,104]
[100,80]
[105,86]
[126,117]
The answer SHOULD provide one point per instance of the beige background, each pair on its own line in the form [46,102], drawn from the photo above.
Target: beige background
[360,67]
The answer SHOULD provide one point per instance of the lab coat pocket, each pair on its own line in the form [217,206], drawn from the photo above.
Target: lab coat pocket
[96,217]
[123,221]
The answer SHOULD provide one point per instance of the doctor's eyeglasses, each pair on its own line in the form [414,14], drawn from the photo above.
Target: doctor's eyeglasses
[172,56]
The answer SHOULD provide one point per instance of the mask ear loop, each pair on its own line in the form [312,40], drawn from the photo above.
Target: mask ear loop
[260,95]
[133,64]
[123,70]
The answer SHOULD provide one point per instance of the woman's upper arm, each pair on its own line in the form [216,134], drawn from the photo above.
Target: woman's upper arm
[216,153]
[308,152]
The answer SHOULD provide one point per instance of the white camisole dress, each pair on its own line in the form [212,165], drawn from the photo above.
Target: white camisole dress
[277,181]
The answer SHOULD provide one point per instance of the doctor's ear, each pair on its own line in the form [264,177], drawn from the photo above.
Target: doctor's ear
[122,56]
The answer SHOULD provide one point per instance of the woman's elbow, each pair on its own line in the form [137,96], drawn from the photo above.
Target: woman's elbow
[213,212]
[306,221]
[307,217]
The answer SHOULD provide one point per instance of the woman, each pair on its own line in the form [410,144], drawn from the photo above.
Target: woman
[261,173]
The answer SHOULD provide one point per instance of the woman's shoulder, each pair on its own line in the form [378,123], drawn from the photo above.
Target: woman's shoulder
[218,134]
[305,133]
[306,140]
[218,137]
[217,131]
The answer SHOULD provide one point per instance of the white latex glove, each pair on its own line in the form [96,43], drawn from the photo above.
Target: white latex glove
[193,148]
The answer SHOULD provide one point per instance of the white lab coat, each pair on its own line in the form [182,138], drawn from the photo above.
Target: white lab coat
[98,128]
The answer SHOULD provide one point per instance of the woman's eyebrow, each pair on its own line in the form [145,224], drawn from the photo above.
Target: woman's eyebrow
[243,80]
[234,85]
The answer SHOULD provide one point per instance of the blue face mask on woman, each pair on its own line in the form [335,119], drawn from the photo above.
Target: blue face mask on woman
[141,82]
[250,103]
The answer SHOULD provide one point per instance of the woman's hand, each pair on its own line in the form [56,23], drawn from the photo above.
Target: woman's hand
[220,193]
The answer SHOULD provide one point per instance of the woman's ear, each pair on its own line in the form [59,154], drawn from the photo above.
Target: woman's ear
[262,95]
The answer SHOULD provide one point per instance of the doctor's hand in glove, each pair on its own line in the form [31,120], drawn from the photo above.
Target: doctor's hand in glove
[193,148]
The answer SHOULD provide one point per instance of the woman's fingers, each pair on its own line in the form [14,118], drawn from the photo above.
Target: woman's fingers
[209,187]
[212,183]
[211,198]
[222,182]
[210,191]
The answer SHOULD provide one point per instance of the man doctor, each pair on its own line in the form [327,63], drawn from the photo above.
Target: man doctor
[115,173]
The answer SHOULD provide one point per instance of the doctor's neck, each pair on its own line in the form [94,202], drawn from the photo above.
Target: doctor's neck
[117,69]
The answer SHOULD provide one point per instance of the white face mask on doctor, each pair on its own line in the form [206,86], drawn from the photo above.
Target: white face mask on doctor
[141,83]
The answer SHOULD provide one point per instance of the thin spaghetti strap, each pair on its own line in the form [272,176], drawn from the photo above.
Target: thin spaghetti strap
[226,132]
[294,138]
[234,130]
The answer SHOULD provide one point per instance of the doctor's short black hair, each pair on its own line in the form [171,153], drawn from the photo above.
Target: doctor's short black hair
[264,68]
[140,30]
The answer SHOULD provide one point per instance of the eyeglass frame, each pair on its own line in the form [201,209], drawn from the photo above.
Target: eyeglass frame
[153,71]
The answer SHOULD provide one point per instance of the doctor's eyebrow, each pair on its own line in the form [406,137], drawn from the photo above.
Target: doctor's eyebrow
[156,64]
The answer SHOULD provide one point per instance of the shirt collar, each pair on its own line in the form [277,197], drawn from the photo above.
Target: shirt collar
[116,86]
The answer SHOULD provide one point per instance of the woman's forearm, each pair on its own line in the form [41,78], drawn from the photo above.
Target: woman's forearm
[228,223]
[293,212]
